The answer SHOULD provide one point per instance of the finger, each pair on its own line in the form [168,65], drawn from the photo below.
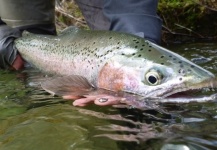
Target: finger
[83,101]
[108,101]
[71,97]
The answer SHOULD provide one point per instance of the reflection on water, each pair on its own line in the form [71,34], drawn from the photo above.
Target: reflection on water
[32,119]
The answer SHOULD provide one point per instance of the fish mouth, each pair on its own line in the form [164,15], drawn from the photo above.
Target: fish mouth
[209,83]
[195,95]
[182,92]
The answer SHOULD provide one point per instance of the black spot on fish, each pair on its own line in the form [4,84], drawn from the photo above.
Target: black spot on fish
[136,46]
[181,71]
[134,54]
[162,63]
[149,50]
[110,38]
[118,47]
[180,62]
[192,66]
[122,54]
[139,55]
[137,42]
[174,58]
[118,43]
[181,66]
[162,56]
[180,79]
[141,49]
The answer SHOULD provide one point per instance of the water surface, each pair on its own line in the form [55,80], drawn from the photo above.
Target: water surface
[32,119]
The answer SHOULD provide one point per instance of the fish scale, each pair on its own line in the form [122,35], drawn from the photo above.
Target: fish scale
[113,61]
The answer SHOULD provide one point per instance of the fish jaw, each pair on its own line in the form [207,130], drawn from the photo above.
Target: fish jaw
[127,74]
[175,86]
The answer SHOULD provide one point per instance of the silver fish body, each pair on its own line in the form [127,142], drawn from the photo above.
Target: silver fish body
[113,61]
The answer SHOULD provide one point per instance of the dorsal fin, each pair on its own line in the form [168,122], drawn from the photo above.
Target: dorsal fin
[26,33]
[70,29]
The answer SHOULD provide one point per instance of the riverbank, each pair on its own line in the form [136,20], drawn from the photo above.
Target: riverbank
[188,20]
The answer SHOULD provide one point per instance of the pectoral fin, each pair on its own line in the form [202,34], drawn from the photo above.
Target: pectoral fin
[73,85]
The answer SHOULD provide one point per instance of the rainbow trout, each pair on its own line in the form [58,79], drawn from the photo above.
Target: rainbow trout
[91,61]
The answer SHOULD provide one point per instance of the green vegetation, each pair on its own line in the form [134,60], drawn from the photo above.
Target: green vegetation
[188,19]
[68,13]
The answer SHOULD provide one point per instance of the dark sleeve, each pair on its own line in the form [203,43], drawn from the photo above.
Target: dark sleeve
[138,17]
[7,51]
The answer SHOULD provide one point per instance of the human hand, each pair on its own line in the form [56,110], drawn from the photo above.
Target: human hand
[100,100]
[18,63]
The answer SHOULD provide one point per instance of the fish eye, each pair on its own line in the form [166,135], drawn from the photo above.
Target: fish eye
[153,77]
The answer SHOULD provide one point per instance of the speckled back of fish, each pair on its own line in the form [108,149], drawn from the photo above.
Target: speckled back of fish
[114,61]
[74,48]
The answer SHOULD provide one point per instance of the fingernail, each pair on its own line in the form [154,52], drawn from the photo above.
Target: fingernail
[103,100]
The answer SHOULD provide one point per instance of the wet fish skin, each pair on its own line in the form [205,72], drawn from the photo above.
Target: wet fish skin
[113,61]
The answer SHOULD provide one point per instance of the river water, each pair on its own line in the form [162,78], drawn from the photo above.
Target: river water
[31,119]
